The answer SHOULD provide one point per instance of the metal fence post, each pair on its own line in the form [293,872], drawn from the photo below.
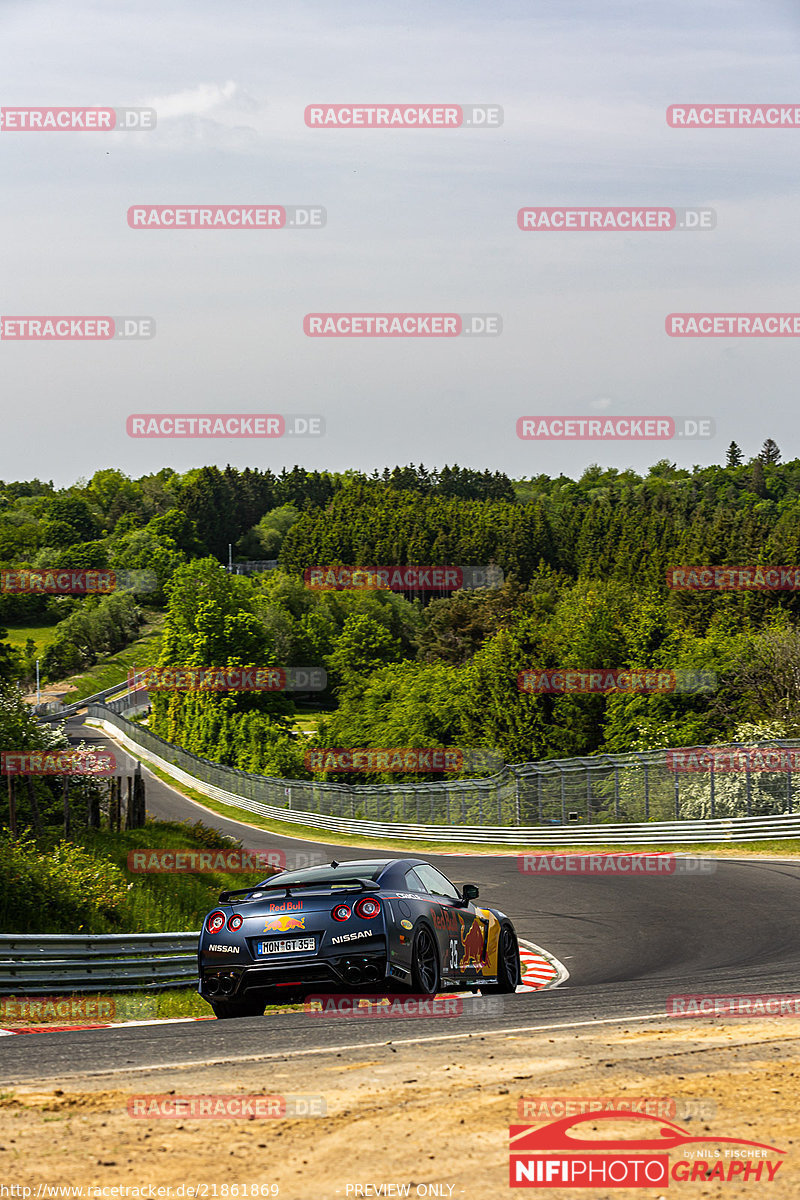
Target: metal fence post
[646,791]
[563,797]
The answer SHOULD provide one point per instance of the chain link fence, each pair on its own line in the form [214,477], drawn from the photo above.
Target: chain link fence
[579,792]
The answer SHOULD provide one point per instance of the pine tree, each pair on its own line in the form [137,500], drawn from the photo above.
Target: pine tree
[770,452]
[734,456]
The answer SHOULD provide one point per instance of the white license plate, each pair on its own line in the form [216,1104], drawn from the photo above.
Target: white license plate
[286,945]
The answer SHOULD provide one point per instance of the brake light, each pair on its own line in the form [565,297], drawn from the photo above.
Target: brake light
[215,922]
[341,912]
[367,908]
[235,923]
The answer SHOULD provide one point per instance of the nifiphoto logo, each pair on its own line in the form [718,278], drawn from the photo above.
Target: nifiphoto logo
[227,216]
[403,116]
[76,120]
[613,428]
[618,219]
[76,329]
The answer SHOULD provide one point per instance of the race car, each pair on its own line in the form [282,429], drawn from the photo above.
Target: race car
[372,925]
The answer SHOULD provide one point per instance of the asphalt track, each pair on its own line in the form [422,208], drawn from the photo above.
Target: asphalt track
[629,942]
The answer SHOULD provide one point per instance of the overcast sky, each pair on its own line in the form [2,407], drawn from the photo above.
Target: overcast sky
[417,221]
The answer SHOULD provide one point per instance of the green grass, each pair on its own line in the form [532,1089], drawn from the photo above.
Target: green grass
[779,848]
[157,902]
[142,653]
[43,635]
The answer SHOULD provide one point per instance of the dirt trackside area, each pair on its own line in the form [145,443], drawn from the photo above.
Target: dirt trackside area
[420,1120]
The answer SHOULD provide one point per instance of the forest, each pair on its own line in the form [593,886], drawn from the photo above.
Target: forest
[584,567]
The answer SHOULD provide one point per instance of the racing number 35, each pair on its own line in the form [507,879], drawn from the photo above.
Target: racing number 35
[453,954]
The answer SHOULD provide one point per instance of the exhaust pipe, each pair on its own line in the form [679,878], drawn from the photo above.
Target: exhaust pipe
[372,973]
[211,985]
[352,972]
[226,984]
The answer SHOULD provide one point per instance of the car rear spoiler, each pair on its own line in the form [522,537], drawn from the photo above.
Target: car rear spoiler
[323,885]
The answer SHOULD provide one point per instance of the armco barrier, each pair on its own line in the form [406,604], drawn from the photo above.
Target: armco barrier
[36,964]
[343,808]
[61,712]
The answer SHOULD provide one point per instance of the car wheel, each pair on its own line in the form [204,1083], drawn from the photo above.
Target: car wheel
[425,976]
[224,1010]
[509,968]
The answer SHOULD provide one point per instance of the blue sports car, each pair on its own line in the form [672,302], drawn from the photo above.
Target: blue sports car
[376,925]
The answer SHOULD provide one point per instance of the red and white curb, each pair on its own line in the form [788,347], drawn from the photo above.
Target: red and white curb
[540,969]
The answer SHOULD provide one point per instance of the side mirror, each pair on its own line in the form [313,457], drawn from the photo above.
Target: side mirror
[470,891]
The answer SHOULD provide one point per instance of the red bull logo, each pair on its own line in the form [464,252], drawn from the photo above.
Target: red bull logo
[283,923]
[473,947]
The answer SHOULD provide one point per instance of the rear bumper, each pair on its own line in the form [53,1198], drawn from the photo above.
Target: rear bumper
[339,973]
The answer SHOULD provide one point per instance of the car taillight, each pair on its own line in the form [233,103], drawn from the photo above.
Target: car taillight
[367,908]
[235,923]
[215,922]
[341,912]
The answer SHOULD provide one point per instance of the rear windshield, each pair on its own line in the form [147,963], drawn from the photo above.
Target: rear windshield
[344,873]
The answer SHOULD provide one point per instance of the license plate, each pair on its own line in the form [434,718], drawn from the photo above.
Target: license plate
[286,945]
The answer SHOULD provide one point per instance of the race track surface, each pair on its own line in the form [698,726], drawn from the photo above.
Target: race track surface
[629,942]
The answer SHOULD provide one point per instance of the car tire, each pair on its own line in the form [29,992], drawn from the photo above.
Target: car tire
[425,970]
[509,967]
[225,1010]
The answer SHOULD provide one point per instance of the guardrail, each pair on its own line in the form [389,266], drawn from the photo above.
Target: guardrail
[34,964]
[69,710]
[344,808]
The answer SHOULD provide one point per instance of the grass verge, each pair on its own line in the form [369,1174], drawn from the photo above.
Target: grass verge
[142,653]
